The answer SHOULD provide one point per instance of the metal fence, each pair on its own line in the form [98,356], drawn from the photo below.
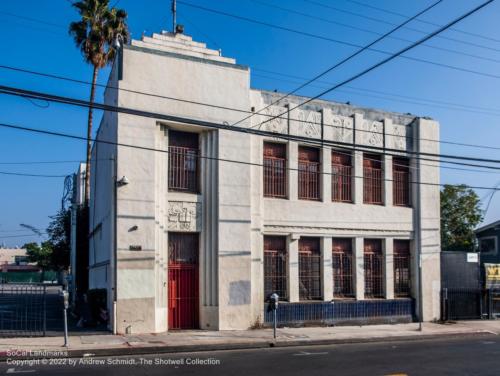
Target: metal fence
[342,268]
[461,303]
[344,311]
[22,310]
[275,266]
[274,177]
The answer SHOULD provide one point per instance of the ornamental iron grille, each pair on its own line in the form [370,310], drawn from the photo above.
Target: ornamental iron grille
[341,177]
[309,173]
[342,268]
[183,161]
[309,269]
[275,181]
[401,181]
[275,267]
[402,268]
[372,179]
[374,268]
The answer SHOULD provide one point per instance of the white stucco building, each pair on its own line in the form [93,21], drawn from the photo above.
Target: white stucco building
[196,225]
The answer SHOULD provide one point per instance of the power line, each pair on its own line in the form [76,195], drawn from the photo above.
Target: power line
[336,65]
[391,23]
[171,118]
[145,148]
[32,175]
[352,90]
[393,56]
[16,69]
[337,41]
[322,19]
[423,21]
[19,236]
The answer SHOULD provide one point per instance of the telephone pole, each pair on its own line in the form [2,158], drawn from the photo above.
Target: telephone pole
[174,14]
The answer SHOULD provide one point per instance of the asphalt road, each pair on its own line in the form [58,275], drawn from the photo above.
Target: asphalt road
[477,355]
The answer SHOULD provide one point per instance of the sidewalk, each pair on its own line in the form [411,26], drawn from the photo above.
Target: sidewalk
[191,341]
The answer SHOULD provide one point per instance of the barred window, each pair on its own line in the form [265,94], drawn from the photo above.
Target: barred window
[402,267]
[309,269]
[341,177]
[372,179]
[342,268]
[182,248]
[183,161]
[275,270]
[374,268]
[401,181]
[275,181]
[309,173]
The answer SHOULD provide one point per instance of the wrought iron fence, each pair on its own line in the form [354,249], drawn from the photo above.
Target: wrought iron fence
[347,311]
[461,303]
[22,310]
[183,169]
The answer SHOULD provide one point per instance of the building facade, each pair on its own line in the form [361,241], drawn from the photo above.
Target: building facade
[198,215]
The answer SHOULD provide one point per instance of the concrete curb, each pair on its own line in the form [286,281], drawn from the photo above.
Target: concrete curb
[147,350]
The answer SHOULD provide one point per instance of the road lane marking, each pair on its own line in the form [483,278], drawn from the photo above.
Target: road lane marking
[13,370]
[306,353]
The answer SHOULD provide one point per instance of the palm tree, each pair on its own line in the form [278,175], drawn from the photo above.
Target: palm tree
[95,35]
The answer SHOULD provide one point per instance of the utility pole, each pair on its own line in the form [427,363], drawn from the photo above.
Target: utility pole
[174,14]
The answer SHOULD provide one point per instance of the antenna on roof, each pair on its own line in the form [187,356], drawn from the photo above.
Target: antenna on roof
[174,14]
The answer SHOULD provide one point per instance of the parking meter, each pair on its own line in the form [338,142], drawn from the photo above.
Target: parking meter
[65,297]
[273,300]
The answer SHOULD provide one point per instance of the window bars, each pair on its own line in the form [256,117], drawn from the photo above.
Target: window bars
[275,267]
[342,268]
[341,177]
[183,161]
[309,269]
[402,268]
[182,248]
[374,268]
[401,181]
[372,179]
[275,181]
[309,173]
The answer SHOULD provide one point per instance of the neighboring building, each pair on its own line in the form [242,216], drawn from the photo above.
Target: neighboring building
[77,270]
[16,260]
[487,239]
[189,239]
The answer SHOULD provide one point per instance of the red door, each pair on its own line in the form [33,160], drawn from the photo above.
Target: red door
[183,294]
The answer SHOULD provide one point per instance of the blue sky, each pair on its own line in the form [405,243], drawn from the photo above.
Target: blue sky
[34,35]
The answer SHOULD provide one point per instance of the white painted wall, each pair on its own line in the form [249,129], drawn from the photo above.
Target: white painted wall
[231,214]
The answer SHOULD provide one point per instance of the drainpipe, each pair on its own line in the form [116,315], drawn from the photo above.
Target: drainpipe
[114,264]
[418,232]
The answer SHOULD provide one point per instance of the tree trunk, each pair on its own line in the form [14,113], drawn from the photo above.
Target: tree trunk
[89,136]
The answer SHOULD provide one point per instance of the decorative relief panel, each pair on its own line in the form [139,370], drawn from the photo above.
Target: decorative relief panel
[309,124]
[184,216]
[342,128]
[399,137]
[373,133]
[278,124]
